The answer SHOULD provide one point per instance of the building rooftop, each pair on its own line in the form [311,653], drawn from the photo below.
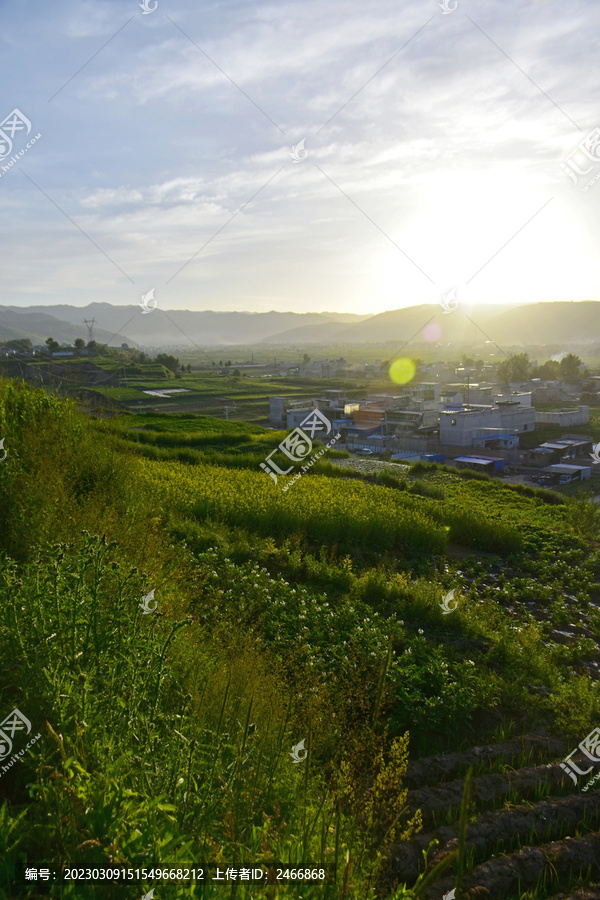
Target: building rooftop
[563,444]
[480,459]
[561,469]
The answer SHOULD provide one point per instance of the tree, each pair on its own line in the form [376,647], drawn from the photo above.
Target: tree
[168,361]
[92,348]
[516,368]
[236,373]
[79,344]
[569,367]
[52,345]
[18,344]
[549,371]
[306,359]
[188,368]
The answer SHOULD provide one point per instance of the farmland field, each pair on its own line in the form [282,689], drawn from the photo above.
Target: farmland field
[314,618]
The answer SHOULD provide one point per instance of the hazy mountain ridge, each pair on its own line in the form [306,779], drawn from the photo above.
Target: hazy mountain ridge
[207,327]
[37,325]
[537,323]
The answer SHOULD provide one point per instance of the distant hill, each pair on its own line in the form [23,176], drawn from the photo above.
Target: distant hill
[161,329]
[508,325]
[38,323]
[536,323]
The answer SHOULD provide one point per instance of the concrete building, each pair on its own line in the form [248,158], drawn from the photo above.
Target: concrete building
[390,401]
[458,427]
[564,417]
[295,417]
[333,402]
[523,398]
[459,393]
[554,392]
[515,417]
[401,421]
[277,410]
[424,391]
[369,415]
[367,429]
[494,437]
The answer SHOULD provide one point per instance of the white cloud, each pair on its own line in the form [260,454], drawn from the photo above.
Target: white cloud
[152,150]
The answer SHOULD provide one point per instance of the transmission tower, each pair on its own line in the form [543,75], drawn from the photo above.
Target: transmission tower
[90,327]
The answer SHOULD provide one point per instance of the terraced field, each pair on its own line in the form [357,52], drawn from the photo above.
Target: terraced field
[530,832]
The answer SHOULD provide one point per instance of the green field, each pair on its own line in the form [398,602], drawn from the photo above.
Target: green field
[313,614]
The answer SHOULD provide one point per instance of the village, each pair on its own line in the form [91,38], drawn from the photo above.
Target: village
[471,425]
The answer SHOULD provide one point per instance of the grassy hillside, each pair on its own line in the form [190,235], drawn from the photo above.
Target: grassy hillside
[308,616]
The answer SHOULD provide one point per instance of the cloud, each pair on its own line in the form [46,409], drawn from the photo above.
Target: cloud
[437,141]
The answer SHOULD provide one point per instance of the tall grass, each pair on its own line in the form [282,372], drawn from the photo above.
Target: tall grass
[163,741]
[144,758]
[56,471]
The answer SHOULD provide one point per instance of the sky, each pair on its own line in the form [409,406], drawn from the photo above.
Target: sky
[437,150]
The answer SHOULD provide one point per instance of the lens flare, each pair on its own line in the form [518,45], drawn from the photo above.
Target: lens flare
[432,332]
[402,370]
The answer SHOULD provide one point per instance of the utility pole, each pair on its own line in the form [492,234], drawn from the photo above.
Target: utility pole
[90,327]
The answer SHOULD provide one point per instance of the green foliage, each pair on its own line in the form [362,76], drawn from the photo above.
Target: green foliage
[52,345]
[18,344]
[582,514]
[360,515]
[171,363]
[55,470]
[312,613]
[424,489]
[149,752]
[569,367]
[515,368]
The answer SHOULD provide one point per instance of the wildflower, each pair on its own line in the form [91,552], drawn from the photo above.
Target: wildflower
[420,631]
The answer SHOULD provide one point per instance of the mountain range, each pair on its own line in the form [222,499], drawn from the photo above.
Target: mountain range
[560,323]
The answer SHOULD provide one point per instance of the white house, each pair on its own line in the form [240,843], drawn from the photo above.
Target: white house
[459,427]
[564,417]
